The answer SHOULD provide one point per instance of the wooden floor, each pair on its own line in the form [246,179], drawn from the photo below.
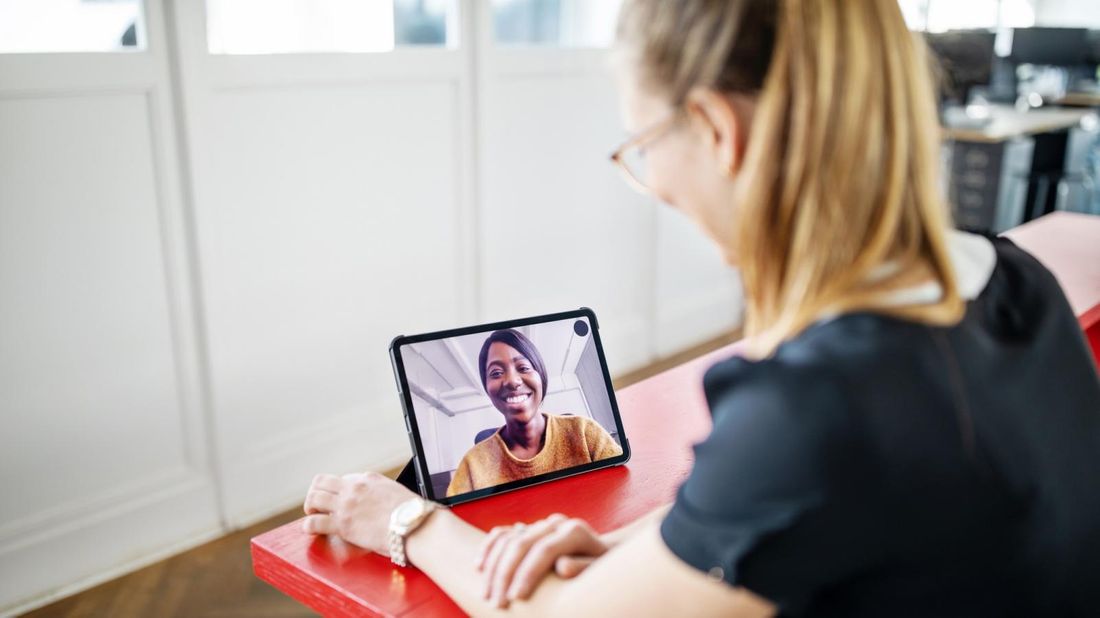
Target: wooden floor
[216,580]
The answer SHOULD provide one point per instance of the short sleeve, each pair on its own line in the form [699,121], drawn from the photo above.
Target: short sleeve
[775,502]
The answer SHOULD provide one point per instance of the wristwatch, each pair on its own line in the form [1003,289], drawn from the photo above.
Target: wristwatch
[405,518]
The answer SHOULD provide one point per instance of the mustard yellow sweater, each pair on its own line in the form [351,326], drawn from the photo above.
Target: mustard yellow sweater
[570,441]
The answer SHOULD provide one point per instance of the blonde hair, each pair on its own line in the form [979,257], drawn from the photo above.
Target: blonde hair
[840,174]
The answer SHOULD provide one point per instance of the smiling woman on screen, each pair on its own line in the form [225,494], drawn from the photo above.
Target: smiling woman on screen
[531,442]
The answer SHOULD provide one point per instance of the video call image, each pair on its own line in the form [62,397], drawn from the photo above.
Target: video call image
[500,406]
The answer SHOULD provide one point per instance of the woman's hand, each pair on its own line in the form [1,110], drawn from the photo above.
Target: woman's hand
[514,559]
[355,507]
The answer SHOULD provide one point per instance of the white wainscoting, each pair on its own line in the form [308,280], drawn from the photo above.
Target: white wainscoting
[104,456]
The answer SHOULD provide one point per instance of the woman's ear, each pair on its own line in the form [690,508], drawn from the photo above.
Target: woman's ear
[716,119]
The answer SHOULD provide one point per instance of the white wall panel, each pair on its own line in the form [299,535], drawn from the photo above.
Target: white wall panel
[698,296]
[103,452]
[558,227]
[86,354]
[331,234]
[326,220]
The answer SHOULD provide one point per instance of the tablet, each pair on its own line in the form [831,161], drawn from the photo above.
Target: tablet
[497,407]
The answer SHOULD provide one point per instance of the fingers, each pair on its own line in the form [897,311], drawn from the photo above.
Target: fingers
[568,567]
[489,566]
[516,558]
[354,507]
[571,539]
[488,543]
[513,550]
[319,523]
[328,482]
[498,533]
[322,484]
[319,501]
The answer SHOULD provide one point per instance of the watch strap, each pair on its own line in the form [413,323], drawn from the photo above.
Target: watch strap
[399,533]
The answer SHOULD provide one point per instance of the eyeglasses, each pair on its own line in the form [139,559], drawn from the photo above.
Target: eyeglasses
[630,157]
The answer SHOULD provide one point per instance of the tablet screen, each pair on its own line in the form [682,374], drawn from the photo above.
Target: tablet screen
[504,405]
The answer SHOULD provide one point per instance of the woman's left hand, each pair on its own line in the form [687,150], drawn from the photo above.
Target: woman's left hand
[514,559]
[355,507]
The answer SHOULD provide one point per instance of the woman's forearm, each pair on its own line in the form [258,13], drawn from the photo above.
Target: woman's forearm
[445,548]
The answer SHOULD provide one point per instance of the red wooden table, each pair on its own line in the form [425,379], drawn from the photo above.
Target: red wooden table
[663,417]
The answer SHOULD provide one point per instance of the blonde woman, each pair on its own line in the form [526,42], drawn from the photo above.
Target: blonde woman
[917,429]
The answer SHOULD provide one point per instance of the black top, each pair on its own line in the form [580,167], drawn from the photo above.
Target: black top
[880,467]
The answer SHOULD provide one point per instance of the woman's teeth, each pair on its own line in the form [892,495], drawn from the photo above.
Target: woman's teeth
[518,398]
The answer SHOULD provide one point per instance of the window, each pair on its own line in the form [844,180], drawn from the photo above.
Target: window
[915,13]
[555,23]
[304,26]
[943,15]
[42,26]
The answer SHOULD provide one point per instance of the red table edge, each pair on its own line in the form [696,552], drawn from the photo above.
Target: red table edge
[1090,318]
[1090,324]
[266,566]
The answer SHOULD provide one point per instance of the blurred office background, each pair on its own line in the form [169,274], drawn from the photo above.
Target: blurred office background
[215,215]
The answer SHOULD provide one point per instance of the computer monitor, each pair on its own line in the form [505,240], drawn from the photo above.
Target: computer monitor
[965,58]
[1092,53]
[1064,47]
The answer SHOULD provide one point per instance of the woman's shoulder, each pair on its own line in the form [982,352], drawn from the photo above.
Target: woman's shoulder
[813,391]
[575,423]
[1022,286]
[1020,265]
[1017,285]
[836,368]
[778,393]
[568,420]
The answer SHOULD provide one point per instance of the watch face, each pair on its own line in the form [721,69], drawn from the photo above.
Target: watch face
[408,512]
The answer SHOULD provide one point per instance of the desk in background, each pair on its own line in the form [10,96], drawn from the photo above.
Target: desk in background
[663,417]
[1009,170]
[1080,99]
